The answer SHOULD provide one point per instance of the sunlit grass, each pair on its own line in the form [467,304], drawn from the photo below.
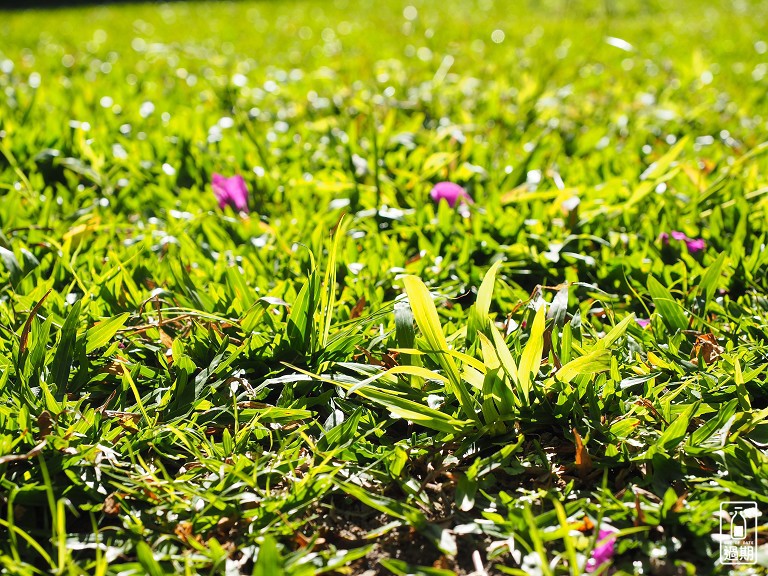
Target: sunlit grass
[347,376]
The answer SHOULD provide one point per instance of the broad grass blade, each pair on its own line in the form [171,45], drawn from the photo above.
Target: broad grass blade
[98,335]
[478,314]
[592,363]
[425,314]
[671,312]
[530,362]
[62,361]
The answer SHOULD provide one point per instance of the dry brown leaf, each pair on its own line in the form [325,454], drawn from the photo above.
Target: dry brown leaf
[184,530]
[44,421]
[583,459]
[358,308]
[111,506]
[640,518]
[104,406]
[165,339]
[707,346]
[302,541]
[389,360]
[18,457]
[586,525]
[680,503]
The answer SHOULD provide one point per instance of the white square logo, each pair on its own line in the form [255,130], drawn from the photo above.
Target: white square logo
[738,532]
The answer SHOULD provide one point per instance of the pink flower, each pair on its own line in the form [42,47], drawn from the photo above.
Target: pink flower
[230,191]
[450,192]
[603,551]
[642,322]
[694,244]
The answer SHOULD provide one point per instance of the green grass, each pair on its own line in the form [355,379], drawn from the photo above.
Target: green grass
[351,378]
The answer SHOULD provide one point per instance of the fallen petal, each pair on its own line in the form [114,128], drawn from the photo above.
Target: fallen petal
[450,192]
[230,192]
[603,551]
[695,245]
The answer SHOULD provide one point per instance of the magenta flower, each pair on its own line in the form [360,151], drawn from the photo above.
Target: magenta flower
[450,192]
[603,551]
[642,322]
[694,244]
[230,191]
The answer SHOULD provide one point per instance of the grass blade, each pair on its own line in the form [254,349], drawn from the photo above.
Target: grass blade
[711,278]
[671,312]
[62,361]
[478,314]
[591,363]
[425,314]
[607,341]
[102,332]
[301,320]
[530,361]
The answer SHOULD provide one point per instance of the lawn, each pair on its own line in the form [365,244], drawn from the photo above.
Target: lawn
[560,368]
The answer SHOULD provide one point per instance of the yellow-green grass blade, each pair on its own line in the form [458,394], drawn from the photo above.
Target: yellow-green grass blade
[425,314]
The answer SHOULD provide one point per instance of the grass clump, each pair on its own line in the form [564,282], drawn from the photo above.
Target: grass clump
[564,371]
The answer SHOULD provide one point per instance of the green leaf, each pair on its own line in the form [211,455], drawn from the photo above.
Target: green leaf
[147,559]
[425,314]
[329,285]
[102,332]
[440,537]
[37,353]
[566,343]
[478,314]
[715,424]
[530,361]
[24,340]
[268,561]
[494,380]
[741,390]
[466,489]
[301,321]
[11,264]
[676,431]
[490,399]
[418,412]
[384,504]
[405,335]
[197,296]
[661,166]
[711,278]
[671,312]
[342,435]
[400,568]
[243,294]
[62,361]
[591,363]
[536,539]
[558,308]
[607,341]
[505,356]
[226,442]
